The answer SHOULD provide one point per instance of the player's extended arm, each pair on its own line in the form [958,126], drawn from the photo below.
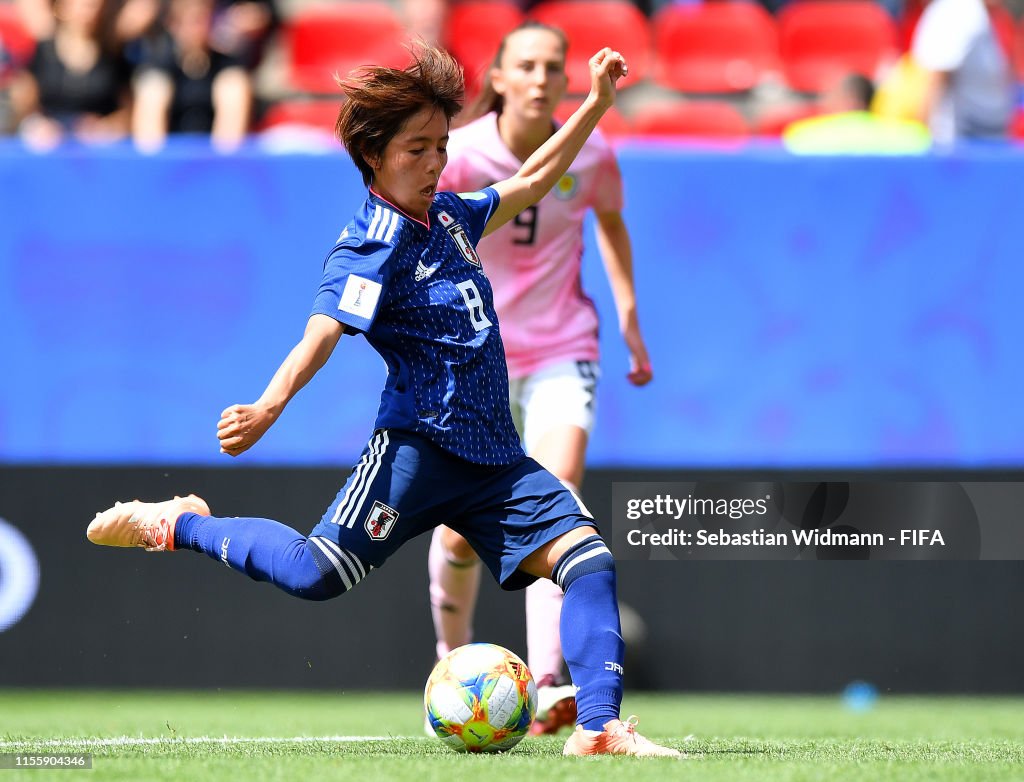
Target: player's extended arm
[617,253]
[241,426]
[545,167]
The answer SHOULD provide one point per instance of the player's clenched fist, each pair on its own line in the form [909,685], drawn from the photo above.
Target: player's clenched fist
[606,68]
[240,426]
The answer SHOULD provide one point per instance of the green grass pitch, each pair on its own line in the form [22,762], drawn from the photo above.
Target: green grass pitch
[235,736]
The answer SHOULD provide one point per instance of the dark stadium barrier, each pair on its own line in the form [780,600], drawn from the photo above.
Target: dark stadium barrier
[106,617]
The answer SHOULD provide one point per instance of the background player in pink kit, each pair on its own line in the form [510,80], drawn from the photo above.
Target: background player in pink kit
[549,325]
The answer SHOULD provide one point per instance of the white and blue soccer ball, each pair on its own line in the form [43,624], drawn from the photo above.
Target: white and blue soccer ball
[480,698]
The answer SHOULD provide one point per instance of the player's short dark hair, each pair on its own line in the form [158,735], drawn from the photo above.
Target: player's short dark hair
[379,101]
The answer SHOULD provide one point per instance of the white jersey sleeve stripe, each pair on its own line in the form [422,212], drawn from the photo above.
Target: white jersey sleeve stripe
[377,231]
[374,221]
[392,227]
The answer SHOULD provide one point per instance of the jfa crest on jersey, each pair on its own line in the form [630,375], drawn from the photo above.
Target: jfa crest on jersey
[381,520]
[418,293]
[458,234]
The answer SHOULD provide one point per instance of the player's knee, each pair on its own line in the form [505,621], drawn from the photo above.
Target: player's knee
[586,556]
[324,571]
[456,547]
[314,586]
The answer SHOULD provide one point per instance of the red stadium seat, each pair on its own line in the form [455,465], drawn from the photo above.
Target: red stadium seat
[474,31]
[714,47]
[1017,127]
[698,119]
[17,40]
[819,41]
[593,24]
[335,39]
[612,125]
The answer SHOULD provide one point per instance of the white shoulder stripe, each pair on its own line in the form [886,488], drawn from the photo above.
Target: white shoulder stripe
[373,222]
[392,227]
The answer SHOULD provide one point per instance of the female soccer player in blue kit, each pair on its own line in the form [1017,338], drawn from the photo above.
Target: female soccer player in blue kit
[406,275]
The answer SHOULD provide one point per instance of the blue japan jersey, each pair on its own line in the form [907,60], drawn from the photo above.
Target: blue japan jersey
[418,293]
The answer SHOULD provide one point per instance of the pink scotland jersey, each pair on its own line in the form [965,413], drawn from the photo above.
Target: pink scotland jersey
[533,262]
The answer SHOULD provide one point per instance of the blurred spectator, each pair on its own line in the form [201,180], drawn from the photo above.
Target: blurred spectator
[77,82]
[241,29]
[967,85]
[186,86]
[847,125]
[126,19]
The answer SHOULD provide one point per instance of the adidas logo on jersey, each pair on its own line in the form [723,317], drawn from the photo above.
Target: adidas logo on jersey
[422,271]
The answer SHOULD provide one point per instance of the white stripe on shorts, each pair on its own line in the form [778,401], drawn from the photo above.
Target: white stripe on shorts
[358,476]
[351,505]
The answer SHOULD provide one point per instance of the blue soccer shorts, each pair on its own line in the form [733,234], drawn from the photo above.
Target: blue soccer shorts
[405,485]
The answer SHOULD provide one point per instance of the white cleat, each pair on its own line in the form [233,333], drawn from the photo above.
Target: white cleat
[556,708]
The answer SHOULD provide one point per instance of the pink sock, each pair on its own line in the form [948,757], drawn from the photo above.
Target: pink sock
[543,641]
[453,590]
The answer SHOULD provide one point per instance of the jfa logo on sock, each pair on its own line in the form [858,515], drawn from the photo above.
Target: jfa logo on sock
[224,551]
[613,667]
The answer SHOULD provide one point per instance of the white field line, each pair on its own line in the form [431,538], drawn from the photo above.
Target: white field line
[134,741]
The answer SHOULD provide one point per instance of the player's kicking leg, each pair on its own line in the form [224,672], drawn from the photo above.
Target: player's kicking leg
[313,568]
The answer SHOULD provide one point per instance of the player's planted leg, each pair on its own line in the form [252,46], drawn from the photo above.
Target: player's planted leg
[593,648]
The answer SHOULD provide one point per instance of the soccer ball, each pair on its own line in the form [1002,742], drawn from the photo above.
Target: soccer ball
[480,698]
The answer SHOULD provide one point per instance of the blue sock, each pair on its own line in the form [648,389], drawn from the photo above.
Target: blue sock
[265,550]
[591,636]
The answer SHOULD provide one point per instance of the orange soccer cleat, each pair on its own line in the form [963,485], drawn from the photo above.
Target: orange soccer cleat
[617,738]
[148,525]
